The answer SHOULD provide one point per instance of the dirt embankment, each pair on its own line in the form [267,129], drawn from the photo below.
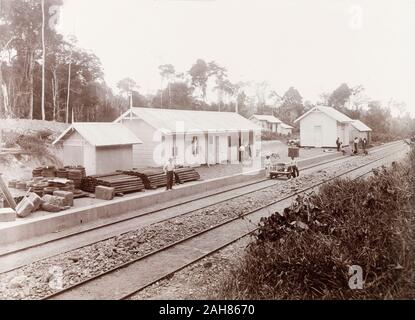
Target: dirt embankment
[26,144]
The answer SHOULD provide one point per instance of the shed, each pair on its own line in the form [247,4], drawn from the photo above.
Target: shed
[321,126]
[99,147]
[191,137]
[360,130]
[285,129]
[267,122]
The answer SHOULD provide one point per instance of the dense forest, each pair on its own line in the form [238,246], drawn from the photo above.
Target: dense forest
[46,76]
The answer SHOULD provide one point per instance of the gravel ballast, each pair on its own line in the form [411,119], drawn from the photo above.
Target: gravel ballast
[42,278]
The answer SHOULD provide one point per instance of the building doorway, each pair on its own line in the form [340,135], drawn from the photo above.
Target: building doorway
[318,136]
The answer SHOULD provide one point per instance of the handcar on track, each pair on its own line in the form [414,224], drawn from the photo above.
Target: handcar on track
[280,169]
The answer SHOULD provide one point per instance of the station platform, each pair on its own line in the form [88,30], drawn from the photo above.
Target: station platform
[88,210]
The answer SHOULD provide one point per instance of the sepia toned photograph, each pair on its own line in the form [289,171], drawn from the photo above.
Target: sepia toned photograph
[223,152]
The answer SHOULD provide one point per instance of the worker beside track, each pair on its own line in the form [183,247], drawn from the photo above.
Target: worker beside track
[294,168]
[169,169]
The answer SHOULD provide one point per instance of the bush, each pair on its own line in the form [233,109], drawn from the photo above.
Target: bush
[272,136]
[307,252]
[383,137]
[32,143]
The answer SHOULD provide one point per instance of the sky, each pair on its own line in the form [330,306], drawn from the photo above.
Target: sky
[311,45]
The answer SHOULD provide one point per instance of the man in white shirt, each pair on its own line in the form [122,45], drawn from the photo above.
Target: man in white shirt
[356,145]
[168,169]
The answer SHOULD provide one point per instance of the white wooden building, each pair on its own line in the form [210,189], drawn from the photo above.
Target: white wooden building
[99,147]
[360,130]
[321,126]
[267,122]
[285,129]
[191,137]
[272,124]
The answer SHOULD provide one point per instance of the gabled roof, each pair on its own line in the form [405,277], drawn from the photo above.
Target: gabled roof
[185,121]
[101,134]
[286,126]
[268,118]
[331,112]
[360,126]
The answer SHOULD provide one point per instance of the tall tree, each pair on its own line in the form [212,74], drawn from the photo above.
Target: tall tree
[43,60]
[340,96]
[167,72]
[199,74]
[292,106]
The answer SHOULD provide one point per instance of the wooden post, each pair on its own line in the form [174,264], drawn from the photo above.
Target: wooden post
[7,194]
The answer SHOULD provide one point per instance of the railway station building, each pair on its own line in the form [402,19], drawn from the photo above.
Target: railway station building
[321,126]
[191,137]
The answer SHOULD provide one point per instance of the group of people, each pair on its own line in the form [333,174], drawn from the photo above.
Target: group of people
[363,142]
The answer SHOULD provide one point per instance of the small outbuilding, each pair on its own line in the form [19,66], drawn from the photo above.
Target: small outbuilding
[285,129]
[321,126]
[360,130]
[99,147]
[267,122]
[272,124]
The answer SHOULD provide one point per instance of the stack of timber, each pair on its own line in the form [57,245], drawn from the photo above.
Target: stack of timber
[121,182]
[37,172]
[49,172]
[152,178]
[62,173]
[76,174]
[184,175]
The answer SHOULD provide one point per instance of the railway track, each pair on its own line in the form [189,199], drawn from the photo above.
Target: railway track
[176,256]
[223,195]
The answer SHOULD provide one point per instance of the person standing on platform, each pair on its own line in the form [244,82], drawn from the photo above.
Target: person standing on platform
[294,168]
[364,145]
[338,143]
[267,165]
[356,145]
[169,169]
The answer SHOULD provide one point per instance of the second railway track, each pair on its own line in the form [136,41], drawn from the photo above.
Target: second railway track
[150,268]
[11,260]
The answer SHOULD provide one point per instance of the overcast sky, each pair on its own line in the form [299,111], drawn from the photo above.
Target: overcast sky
[311,45]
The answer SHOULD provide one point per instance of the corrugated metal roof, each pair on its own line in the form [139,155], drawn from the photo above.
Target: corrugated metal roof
[331,112]
[286,126]
[173,121]
[268,118]
[360,126]
[102,134]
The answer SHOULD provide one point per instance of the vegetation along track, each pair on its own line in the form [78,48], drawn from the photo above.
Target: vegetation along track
[85,288]
[225,195]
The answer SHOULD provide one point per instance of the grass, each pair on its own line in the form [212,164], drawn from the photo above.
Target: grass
[306,253]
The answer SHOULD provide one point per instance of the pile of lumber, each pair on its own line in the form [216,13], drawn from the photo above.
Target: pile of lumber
[47,172]
[37,172]
[76,174]
[184,175]
[122,183]
[62,173]
[152,178]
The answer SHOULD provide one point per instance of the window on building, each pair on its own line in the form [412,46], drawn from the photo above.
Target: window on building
[195,146]
[175,151]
